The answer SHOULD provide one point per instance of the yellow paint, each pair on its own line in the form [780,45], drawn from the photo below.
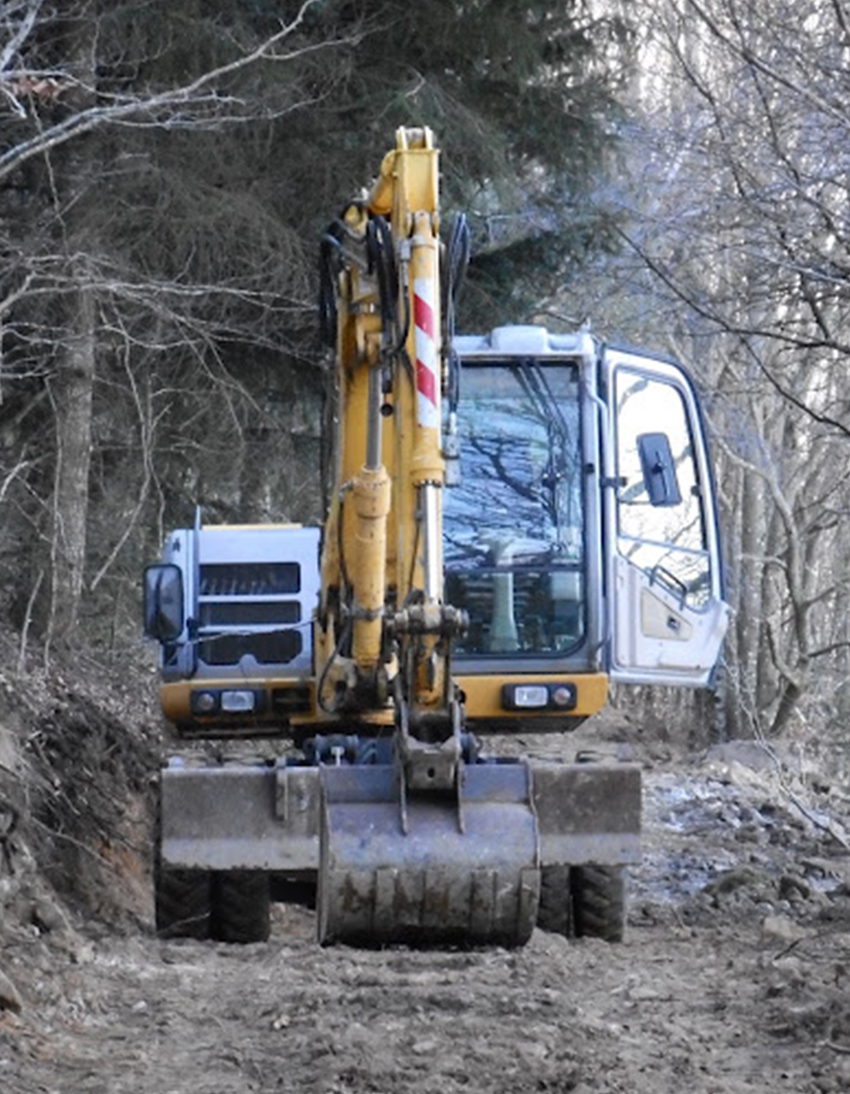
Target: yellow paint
[370,505]
[484,694]
[176,698]
[378,548]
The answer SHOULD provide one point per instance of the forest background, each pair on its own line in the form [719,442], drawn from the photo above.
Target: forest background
[675,170]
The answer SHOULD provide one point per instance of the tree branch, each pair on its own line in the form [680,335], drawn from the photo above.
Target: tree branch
[746,54]
[195,94]
[743,334]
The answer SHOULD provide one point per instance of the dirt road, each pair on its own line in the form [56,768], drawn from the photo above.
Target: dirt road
[733,979]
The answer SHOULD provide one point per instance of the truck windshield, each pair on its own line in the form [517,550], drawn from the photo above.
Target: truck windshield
[513,527]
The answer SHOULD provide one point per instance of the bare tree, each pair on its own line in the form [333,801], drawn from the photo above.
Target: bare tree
[128,259]
[732,199]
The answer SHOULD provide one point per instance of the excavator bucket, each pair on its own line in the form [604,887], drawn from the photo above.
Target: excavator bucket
[425,869]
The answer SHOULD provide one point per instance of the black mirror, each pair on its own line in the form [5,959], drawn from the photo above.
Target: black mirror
[659,469]
[163,602]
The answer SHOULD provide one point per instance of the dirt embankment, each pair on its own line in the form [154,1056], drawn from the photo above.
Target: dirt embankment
[733,977]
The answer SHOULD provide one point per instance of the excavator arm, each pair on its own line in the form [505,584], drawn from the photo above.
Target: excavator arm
[426,846]
[385,632]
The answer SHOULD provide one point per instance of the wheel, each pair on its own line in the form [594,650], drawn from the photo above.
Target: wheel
[599,902]
[241,906]
[554,912]
[181,897]
[181,902]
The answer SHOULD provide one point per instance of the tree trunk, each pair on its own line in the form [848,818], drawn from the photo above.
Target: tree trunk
[71,395]
[72,382]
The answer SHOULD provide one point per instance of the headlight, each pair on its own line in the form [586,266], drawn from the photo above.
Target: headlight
[563,696]
[236,701]
[204,702]
[530,695]
[558,695]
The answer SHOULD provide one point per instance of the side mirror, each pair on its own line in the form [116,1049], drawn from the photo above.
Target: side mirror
[659,469]
[164,616]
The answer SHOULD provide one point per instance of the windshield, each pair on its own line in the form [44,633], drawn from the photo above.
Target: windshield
[513,527]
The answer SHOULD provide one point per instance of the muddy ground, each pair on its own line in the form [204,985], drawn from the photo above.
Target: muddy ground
[733,977]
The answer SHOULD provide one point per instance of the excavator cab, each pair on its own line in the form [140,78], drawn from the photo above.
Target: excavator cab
[580,532]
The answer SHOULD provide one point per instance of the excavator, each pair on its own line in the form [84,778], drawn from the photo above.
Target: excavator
[517,519]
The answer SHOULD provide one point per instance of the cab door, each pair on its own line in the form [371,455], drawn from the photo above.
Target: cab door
[666,612]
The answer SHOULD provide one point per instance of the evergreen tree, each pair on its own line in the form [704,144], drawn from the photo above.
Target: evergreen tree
[524,99]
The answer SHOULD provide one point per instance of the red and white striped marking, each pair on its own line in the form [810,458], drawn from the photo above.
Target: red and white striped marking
[427,378]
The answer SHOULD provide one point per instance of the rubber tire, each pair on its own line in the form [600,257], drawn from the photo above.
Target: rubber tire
[555,910]
[599,902]
[241,907]
[181,903]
